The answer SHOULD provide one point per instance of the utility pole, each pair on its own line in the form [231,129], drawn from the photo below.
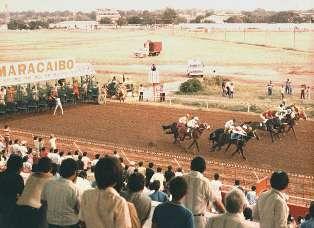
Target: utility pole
[294,30]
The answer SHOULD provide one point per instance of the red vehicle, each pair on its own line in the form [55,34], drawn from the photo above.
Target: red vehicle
[154,48]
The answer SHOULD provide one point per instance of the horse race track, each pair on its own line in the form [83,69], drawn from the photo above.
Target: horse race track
[140,126]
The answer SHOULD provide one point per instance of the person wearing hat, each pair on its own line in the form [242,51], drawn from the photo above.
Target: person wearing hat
[192,124]
[271,208]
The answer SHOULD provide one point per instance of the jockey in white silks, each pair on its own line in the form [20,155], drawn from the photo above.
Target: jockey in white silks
[192,124]
[238,132]
[184,119]
[281,112]
[230,125]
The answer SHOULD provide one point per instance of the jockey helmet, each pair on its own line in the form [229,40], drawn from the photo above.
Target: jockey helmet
[196,118]
[244,127]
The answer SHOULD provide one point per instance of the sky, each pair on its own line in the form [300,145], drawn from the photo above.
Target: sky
[89,5]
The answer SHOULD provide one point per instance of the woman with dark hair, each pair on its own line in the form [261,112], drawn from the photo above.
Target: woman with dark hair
[103,206]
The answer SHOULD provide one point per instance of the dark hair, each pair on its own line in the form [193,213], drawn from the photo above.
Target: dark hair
[68,168]
[121,159]
[85,154]
[97,156]
[54,168]
[169,167]
[76,152]
[150,165]
[140,163]
[108,172]
[178,188]
[198,164]
[253,188]
[115,152]
[44,165]
[80,157]
[82,174]
[216,176]
[279,180]
[311,209]
[29,150]
[40,139]
[24,159]
[55,151]
[35,137]
[179,169]
[16,141]
[14,164]
[61,153]
[43,149]
[159,169]
[237,182]
[136,182]
[155,185]
[6,126]
[69,153]
[248,214]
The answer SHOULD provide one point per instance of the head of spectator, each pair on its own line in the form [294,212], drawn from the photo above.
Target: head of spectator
[136,182]
[68,169]
[151,165]
[155,185]
[248,214]
[279,180]
[115,153]
[311,209]
[82,174]
[159,169]
[54,169]
[80,157]
[253,188]
[84,154]
[178,188]
[216,176]
[35,138]
[198,164]
[169,168]
[108,173]
[76,152]
[51,150]
[140,164]
[179,170]
[97,156]
[61,153]
[14,164]
[55,151]
[44,165]
[52,136]
[6,126]
[235,201]
[237,182]
[40,139]
[121,160]
[16,141]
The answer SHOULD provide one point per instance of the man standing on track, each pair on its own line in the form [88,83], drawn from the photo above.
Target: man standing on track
[58,104]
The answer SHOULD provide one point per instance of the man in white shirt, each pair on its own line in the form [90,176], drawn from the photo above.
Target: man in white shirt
[58,105]
[55,157]
[16,147]
[86,161]
[199,194]
[159,176]
[52,142]
[271,208]
[230,125]
[184,119]
[216,186]
[141,169]
[23,149]
[251,196]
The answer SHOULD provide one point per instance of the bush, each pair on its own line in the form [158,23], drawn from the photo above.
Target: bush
[191,86]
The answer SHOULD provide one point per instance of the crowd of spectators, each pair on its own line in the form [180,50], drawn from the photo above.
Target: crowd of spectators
[74,191]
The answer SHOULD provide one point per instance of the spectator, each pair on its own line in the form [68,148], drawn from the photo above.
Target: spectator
[248,214]
[251,196]
[52,142]
[174,214]
[238,185]
[149,172]
[135,195]
[121,162]
[158,176]
[55,157]
[23,148]
[269,88]
[43,152]
[282,92]
[36,143]
[179,172]
[16,147]
[82,183]
[62,197]
[271,209]
[86,161]
[115,154]
[235,203]
[80,163]
[131,168]
[103,206]
[12,186]
[158,195]
[76,155]
[216,186]
[141,169]
[141,93]
[94,162]
[308,93]
[303,88]
[169,173]
[310,222]
[199,193]
[29,205]
[40,143]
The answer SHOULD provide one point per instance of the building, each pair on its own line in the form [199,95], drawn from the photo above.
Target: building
[220,16]
[80,25]
[5,20]
[113,15]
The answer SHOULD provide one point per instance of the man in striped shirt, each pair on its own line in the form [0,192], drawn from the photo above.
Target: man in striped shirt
[199,194]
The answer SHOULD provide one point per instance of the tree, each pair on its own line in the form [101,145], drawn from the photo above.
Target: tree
[122,21]
[234,19]
[135,20]
[105,20]
[191,86]
[198,19]
[17,24]
[169,16]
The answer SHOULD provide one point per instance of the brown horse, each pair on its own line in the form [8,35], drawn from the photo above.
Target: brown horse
[179,131]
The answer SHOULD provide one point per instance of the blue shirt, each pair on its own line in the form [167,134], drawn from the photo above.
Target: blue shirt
[172,215]
[308,223]
[159,196]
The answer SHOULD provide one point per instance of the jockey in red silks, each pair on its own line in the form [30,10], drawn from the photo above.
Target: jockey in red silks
[267,115]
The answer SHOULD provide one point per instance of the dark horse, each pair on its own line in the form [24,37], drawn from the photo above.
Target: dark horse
[179,132]
[219,138]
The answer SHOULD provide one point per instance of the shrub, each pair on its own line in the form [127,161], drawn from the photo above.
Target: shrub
[191,86]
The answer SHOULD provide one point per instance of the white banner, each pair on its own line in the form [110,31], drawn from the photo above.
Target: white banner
[42,70]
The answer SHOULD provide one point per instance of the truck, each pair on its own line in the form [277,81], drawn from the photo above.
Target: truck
[150,49]
[195,68]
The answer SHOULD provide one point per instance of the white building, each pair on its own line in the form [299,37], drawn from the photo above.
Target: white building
[81,25]
[220,16]
[114,15]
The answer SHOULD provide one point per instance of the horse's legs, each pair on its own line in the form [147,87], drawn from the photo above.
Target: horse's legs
[197,146]
[242,153]
[295,136]
[236,151]
[228,147]
[191,144]
[271,135]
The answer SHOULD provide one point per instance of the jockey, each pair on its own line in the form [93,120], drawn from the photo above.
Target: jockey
[266,115]
[184,119]
[281,111]
[238,132]
[230,125]
[192,124]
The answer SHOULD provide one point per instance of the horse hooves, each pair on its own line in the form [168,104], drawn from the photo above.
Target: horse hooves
[244,158]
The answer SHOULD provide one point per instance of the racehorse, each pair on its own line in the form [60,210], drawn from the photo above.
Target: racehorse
[179,132]
[219,138]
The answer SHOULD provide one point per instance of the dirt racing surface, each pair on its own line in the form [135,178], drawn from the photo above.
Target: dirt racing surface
[140,126]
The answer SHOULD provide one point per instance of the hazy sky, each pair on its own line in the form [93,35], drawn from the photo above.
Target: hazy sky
[88,5]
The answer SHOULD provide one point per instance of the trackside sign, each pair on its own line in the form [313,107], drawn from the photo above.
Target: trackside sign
[41,70]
